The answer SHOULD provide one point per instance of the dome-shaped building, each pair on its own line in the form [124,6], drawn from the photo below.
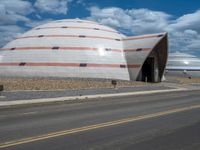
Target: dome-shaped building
[84,49]
[183,64]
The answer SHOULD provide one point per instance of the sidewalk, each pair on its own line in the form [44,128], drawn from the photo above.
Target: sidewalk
[16,98]
[30,95]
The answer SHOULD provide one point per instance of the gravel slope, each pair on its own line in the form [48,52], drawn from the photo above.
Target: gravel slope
[52,84]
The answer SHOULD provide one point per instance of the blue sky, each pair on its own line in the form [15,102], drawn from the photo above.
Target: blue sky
[180,18]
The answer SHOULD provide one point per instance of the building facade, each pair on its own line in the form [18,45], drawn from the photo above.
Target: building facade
[182,64]
[74,48]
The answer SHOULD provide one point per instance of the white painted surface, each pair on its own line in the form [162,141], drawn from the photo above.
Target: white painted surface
[96,40]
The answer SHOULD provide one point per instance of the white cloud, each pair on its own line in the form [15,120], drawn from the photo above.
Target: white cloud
[12,18]
[36,23]
[52,6]
[11,12]
[9,32]
[16,11]
[81,2]
[184,32]
[137,21]
[184,22]
[115,17]
[17,6]
[148,21]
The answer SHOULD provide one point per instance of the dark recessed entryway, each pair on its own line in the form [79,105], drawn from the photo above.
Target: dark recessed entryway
[148,70]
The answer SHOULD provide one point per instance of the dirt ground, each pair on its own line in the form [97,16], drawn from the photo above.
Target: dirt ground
[183,80]
[53,84]
[11,84]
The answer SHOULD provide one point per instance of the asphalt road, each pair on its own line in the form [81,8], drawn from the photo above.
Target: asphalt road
[167,121]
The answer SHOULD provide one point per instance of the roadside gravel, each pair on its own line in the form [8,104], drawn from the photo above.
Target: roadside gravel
[11,84]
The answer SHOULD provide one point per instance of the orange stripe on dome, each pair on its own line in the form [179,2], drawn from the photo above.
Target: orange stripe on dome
[142,37]
[133,65]
[76,48]
[72,27]
[72,36]
[61,48]
[46,64]
[9,64]
[75,21]
[137,49]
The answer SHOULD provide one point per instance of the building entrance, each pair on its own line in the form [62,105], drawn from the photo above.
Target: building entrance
[148,70]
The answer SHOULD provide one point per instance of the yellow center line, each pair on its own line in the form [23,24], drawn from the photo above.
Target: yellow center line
[96,126]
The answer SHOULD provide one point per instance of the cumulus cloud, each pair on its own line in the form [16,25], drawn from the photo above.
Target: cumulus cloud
[17,6]
[137,21]
[189,20]
[112,16]
[14,18]
[11,12]
[14,14]
[9,32]
[81,2]
[148,21]
[52,6]
[36,23]
[184,32]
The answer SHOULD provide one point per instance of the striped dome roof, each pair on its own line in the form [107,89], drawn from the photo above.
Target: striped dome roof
[65,44]
[44,35]
[79,48]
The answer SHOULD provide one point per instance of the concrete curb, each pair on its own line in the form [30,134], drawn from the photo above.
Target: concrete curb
[62,99]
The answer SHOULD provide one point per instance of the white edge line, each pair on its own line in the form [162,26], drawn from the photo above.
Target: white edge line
[62,99]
